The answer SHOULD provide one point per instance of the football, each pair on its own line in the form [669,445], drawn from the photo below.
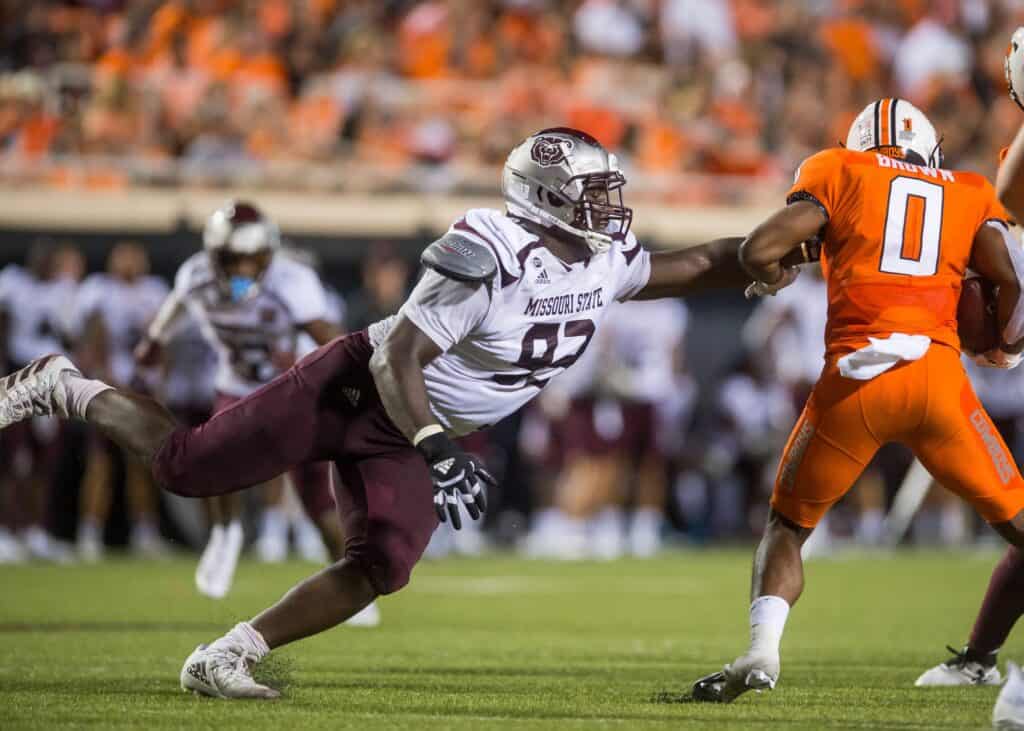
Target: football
[976,315]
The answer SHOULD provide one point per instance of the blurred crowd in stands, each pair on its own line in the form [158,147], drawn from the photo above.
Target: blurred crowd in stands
[628,451]
[431,94]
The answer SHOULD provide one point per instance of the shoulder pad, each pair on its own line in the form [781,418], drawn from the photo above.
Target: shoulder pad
[460,258]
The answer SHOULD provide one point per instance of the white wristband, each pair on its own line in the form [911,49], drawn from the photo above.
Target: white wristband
[427,431]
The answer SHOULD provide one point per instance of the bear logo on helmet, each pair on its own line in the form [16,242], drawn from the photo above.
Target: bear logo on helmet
[548,151]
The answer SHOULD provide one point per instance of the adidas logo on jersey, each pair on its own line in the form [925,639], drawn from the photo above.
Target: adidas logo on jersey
[543,277]
[352,394]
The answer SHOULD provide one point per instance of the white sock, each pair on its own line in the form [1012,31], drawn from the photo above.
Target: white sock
[89,530]
[767,621]
[81,391]
[248,637]
[216,532]
[869,526]
[233,534]
[274,522]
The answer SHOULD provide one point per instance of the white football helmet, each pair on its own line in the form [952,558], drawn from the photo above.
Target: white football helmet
[1014,67]
[566,182]
[239,229]
[896,128]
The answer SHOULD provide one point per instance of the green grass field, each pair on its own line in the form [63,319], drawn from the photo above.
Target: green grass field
[500,643]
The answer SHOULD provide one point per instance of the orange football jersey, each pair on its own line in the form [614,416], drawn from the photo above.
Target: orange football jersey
[896,245]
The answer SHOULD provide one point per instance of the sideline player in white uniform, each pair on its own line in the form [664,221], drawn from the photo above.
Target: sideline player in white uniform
[34,304]
[252,305]
[112,310]
[480,336]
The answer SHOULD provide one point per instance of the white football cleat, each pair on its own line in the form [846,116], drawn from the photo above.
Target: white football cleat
[11,550]
[958,670]
[223,670]
[41,546]
[368,616]
[35,390]
[1008,715]
[747,672]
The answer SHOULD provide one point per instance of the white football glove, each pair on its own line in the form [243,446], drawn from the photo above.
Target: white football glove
[763,289]
[998,358]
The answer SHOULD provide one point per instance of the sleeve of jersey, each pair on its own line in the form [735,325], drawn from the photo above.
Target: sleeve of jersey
[183,279]
[446,311]
[994,210]
[306,297]
[634,268]
[817,180]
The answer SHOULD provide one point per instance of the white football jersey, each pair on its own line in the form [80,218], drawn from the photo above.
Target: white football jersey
[640,344]
[247,335]
[38,313]
[126,309]
[502,343]
[790,329]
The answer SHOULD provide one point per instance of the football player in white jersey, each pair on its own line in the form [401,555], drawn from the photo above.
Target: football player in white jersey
[511,299]
[252,306]
[34,303]
[112,310]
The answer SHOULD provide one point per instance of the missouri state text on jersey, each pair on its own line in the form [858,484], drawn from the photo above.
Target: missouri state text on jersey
[565,304]
[896,245]
[504,341]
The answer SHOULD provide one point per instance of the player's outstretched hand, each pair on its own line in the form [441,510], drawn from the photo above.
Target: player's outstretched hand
[457,477]
[762,289]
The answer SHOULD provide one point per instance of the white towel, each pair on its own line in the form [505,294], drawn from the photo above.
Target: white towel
[882,354]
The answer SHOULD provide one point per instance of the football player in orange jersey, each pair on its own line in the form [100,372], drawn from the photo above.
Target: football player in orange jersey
[898,233]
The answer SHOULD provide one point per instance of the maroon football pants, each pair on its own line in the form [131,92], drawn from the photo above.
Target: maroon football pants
[325,408]
[311,480]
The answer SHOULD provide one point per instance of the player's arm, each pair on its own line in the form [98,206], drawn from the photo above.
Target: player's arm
[998,258]
[321,331]
[397,367]
[94,345]
[150,348]
[707,266]
[772,250]
[448,302]
[1010,179]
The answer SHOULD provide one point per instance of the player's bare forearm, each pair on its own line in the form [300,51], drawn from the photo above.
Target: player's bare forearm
[321,331]
[713,265]
[763,251]
[1010,179]
[397,367]
[170,310]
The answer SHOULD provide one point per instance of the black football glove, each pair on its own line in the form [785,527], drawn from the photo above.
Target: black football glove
[457,478]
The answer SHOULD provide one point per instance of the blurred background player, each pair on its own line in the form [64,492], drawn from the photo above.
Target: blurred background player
[112,311]
[251,304]
[35,304]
